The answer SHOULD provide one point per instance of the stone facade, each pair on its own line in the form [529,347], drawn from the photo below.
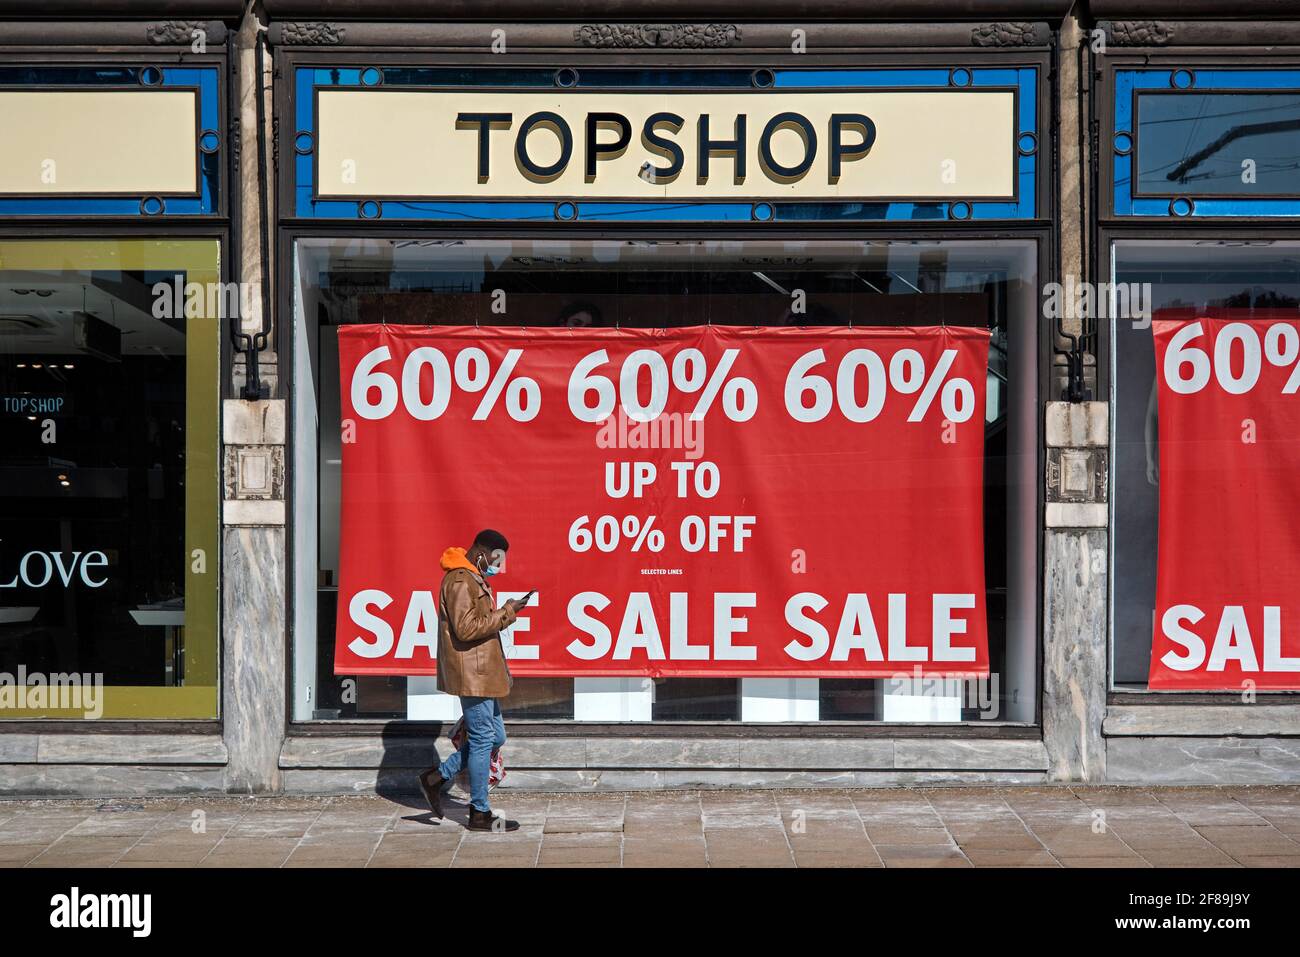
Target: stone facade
[1083,737]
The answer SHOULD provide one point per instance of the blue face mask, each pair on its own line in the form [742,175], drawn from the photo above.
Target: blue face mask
[490,570]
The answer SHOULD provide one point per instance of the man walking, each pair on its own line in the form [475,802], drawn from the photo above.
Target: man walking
[472,664]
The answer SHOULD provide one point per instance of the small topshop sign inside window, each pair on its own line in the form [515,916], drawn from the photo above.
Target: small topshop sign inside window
[811,145]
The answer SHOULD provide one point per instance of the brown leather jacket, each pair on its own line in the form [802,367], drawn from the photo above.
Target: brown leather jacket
[471,660]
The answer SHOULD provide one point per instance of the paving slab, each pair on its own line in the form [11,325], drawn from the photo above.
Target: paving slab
[1039,826]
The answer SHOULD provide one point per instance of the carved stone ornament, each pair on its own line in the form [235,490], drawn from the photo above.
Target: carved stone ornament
[1077,475]
[1004,35]
[1140,33]
[678,35]
[295,33]
[254,473]
[174,32]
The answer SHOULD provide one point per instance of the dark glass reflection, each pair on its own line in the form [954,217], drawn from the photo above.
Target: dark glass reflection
[1218,144]
[92,479]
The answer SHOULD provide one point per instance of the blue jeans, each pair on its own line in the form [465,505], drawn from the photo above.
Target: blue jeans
[485,732]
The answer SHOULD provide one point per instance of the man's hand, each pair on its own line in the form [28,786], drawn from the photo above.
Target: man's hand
[517,605]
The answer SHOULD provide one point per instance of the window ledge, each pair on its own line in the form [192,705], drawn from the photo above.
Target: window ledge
[135,749]
[1202,720]
[632,751]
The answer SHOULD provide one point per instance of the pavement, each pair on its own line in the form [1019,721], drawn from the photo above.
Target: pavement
[933,827]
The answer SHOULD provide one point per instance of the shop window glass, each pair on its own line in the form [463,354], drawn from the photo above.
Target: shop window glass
[664,284]
[108,480]
[1235,276]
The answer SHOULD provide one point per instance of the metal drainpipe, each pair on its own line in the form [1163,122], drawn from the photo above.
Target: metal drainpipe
[252,346]
[1074,364]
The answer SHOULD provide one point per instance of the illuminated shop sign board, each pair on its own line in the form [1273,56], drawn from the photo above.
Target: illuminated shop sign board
[25,403]
[99,143]
[812,145]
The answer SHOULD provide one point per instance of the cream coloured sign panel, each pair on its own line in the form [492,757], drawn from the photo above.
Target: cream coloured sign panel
[837,146]
[98,142]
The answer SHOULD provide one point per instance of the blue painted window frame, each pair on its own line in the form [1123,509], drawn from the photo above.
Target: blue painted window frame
[205,80]
[1186,206]
[1023,80]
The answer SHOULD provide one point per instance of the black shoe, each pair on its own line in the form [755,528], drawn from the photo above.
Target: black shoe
[431,783]
[485,821]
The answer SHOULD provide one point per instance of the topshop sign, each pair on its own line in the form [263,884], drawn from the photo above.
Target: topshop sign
[384,142]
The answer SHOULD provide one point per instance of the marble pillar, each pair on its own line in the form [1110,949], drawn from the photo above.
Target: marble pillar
[253,593]
[254,449]
[1075,591]
[253,656]
[1074,653]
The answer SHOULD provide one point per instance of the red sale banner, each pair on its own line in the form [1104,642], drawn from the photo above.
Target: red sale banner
[685,502]
[1228,581]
